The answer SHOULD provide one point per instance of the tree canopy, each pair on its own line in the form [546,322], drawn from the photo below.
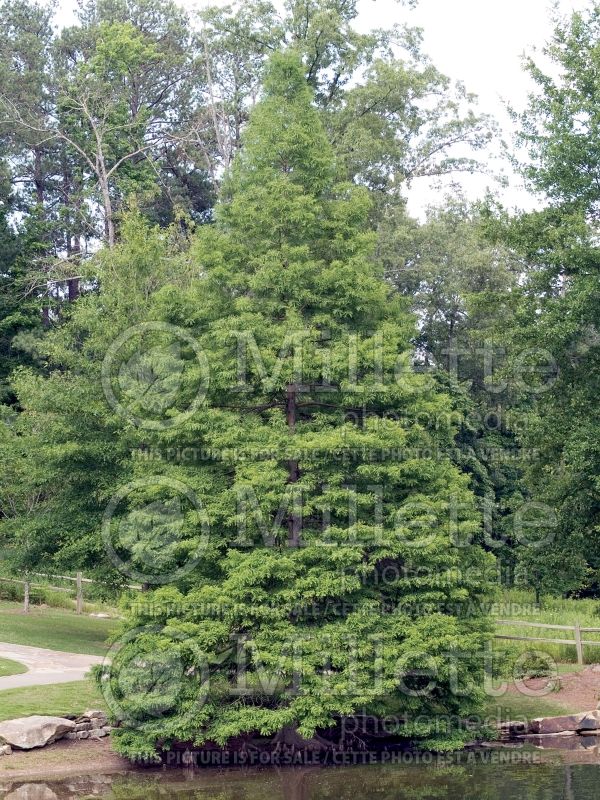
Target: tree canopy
[301,432]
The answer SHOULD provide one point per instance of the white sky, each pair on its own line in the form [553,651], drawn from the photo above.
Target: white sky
[478,42]
[481,43]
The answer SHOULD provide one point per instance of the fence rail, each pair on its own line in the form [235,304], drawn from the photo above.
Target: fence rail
[78,579]
[577,641]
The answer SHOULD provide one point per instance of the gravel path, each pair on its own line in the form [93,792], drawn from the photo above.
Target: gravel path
[45,666]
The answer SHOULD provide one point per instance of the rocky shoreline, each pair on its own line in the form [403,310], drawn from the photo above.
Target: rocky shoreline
[566,732]
[27,733]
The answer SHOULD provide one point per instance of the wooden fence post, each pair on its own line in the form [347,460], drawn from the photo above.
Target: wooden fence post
[578,643]
[26,597]
[79,593]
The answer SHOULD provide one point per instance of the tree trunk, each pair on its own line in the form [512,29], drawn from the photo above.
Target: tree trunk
[295,518]
[109,226]
[72,239]
[38,177]
[38,182]
[73,289]
[73,283]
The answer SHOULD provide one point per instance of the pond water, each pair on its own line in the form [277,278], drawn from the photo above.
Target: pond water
[489,776]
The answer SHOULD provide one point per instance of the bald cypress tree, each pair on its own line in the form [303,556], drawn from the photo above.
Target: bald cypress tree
[337,565]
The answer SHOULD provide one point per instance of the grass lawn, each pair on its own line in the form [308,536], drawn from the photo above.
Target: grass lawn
[10,667]
[521,707]
[568,669]
[54,628]
[55,700]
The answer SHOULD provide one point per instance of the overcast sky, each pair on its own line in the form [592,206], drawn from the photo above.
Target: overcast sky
[478,42]
[481,42]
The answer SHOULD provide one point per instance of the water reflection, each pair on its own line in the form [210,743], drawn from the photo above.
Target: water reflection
[477,780]
[32,791]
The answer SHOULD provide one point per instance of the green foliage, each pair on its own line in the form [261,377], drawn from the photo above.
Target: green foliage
[300,599]
[557,320]
[19,312]
[331,443]
[464,291]
[52,510]
[561,126]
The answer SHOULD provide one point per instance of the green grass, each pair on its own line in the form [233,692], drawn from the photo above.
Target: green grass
[56,700]
[521,707]
[53,628]
[10,667]
[567,669]
[520,605]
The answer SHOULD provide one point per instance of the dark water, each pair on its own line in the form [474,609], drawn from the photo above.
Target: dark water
[495,777]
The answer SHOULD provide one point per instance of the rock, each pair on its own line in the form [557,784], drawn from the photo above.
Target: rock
[107,729]
[83,734]
[590,722]
[83,726]
[94,713]
[512,728]
[35,731]
[566,724]
[589,742]
[101,615]
[5,749]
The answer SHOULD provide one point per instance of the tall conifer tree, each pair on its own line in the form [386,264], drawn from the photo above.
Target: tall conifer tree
[338,560]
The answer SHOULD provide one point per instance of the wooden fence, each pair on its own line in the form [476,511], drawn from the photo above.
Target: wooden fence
[78,580]
[577,641]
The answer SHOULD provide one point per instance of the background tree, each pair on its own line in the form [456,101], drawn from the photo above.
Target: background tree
[70,447]
[462,289]
[19,311]
[558,315]
[374,89]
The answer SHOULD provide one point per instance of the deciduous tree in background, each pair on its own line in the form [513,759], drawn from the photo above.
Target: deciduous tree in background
[559,315]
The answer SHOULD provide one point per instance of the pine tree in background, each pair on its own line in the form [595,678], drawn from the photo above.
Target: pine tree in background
[329,504]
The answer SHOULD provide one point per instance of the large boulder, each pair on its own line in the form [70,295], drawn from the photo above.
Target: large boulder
[36,731]
[545,725]
[590,722]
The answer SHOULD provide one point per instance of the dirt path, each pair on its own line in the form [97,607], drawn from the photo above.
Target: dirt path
[45,666]
[578,691]
[62,758]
